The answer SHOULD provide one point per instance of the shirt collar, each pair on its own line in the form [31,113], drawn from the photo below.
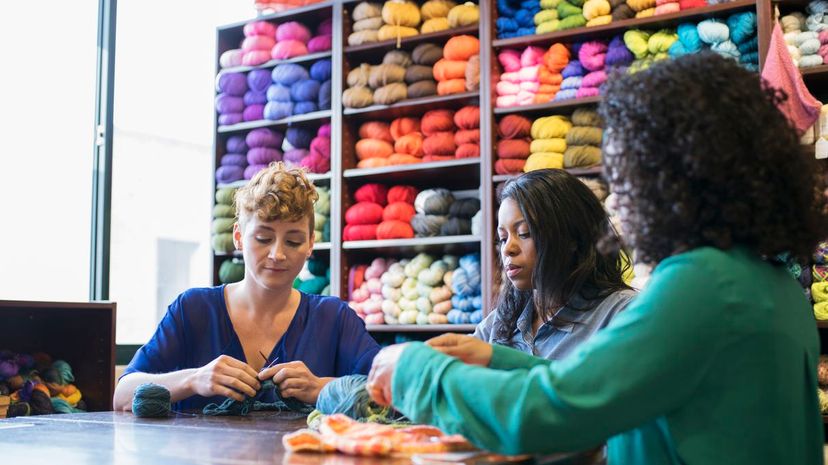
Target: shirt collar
[576,312]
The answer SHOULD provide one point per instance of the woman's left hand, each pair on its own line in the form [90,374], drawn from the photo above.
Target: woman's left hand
[382,372]
[294,379]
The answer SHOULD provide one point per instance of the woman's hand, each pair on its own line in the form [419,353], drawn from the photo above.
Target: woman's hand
[225,376]
[468,349]
[295,380]
[382,372]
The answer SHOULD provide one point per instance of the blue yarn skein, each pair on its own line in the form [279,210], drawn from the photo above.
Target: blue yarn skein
[299,137]
[348,395]
[574,68]
[321,70]
[151,401]
[506,25]
[476,317]
[306,90]
[506,8]
[677,49]
[324,102]
[565,94]
[289,73]
[688,35]
[742,26]
[713,31]
[278,110]
[300,108]
[726,49]
[751,45]
[278,93]
[572,82]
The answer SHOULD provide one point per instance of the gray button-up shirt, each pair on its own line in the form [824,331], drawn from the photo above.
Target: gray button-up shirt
[556,342]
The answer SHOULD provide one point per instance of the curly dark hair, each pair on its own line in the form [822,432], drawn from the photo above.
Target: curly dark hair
[699,155]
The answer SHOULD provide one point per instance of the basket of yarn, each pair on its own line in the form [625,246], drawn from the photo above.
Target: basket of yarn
[35,384]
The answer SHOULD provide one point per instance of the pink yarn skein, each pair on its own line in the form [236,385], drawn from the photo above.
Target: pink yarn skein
[293,31]
[592,55]
[288,49]
[510,60]
[259,28]
[254,43]
[531,56]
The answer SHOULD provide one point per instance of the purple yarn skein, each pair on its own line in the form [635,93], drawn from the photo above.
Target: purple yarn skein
[263,156]
[255,98]
[226,103]
[259,80]
[236,144]
[264,137]
[234,84]
[230,118]
[229,173]
[234,159]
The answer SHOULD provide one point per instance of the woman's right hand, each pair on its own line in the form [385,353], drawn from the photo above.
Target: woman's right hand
[468,349]
[225,376]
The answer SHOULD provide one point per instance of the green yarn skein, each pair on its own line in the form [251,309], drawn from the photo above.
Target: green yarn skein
[223,225]
[223,211]
[225,195]
[231,271]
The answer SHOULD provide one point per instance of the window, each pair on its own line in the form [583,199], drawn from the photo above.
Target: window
[48,96]
[162,155]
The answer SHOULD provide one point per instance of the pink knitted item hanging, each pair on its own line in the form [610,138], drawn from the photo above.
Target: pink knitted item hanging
[801,108]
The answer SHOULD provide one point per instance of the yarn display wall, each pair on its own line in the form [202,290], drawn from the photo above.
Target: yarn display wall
[224,215]
[548,142]
[459,69]
[395,19]
[265,42]
[806,34]
[562,72]
[527,17]
[35,384]
[420,290]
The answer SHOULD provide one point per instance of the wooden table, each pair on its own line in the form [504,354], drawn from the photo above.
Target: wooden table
[115,437]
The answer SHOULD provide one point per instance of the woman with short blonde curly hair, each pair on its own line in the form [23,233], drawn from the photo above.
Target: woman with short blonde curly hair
[225,341]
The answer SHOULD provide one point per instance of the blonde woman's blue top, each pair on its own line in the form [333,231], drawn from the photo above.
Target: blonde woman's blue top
[714,362]
[325,334]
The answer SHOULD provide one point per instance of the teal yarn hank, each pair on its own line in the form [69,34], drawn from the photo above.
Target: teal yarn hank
[61,406]
[232,407]
[151,400]
[348,395]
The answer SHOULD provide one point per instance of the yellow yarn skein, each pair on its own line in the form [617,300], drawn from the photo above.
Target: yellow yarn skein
[544,16]
[821,311]
[595,8]
[399,13]
[550,127]
[636,41]
[389,32]
[557,144]
[661,41]
[543,160]
[436,8]
[599,21]
[549,4]
[641,5]
[464,15]
[434,25]
[548,26]
[646,13]
[819,291]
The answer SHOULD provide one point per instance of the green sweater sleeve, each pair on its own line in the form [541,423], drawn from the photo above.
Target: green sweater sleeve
[506,358]
[644,364]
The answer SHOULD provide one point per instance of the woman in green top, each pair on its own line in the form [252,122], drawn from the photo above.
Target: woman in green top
[715,361]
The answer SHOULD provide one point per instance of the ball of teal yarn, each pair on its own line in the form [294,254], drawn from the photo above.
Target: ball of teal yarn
[742,26]
[317,267]
[688,35]
[313,285]
[677,50]
[713,31]
[151,401]
[231,271]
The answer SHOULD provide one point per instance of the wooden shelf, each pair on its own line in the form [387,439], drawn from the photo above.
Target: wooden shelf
[615,27]
[295,14]
[549,107]
[464,173]
[414,106]
[442,244]
[274,63]
[313,177]
[420,328]
[265,123]
[591,171]
[374,48]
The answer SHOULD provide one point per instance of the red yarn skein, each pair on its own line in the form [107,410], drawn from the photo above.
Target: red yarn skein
[364,213]
[372,192]
[405,194]
[401,211]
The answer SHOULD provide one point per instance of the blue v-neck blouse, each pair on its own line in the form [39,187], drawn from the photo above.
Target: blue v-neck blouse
[325,334]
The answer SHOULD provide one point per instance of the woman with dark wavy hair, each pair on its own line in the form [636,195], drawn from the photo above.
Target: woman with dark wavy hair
[558,289]
[715,361]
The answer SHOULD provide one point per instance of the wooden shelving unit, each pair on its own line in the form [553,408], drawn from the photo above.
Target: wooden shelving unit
[466,174]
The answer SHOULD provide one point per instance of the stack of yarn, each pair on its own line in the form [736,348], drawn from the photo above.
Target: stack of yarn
[597,12]
[592,55]
[296,90]
[734,38]
[642,8]
[513,147]
[322,215]
[233,163]
[396,19]
[459,69]
[231,270]
[807,48]
[435,15]
[438,128]
[401,19]
[420,75]
[224,215]
[523,81]
[263,149]
[231,88]
[517,17]
[467,137]
[467,302]
[259,40]
[383,84]
[311,152]
[382,144]
[364,218]
[619,57]
[570,14]
[315,277]
[583,140]
[648,47]
[258,80]
[546,20]
[367,18]
[439,213]
[573,77]
[549,143]
[409,291]
[36,385]
[264,41]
